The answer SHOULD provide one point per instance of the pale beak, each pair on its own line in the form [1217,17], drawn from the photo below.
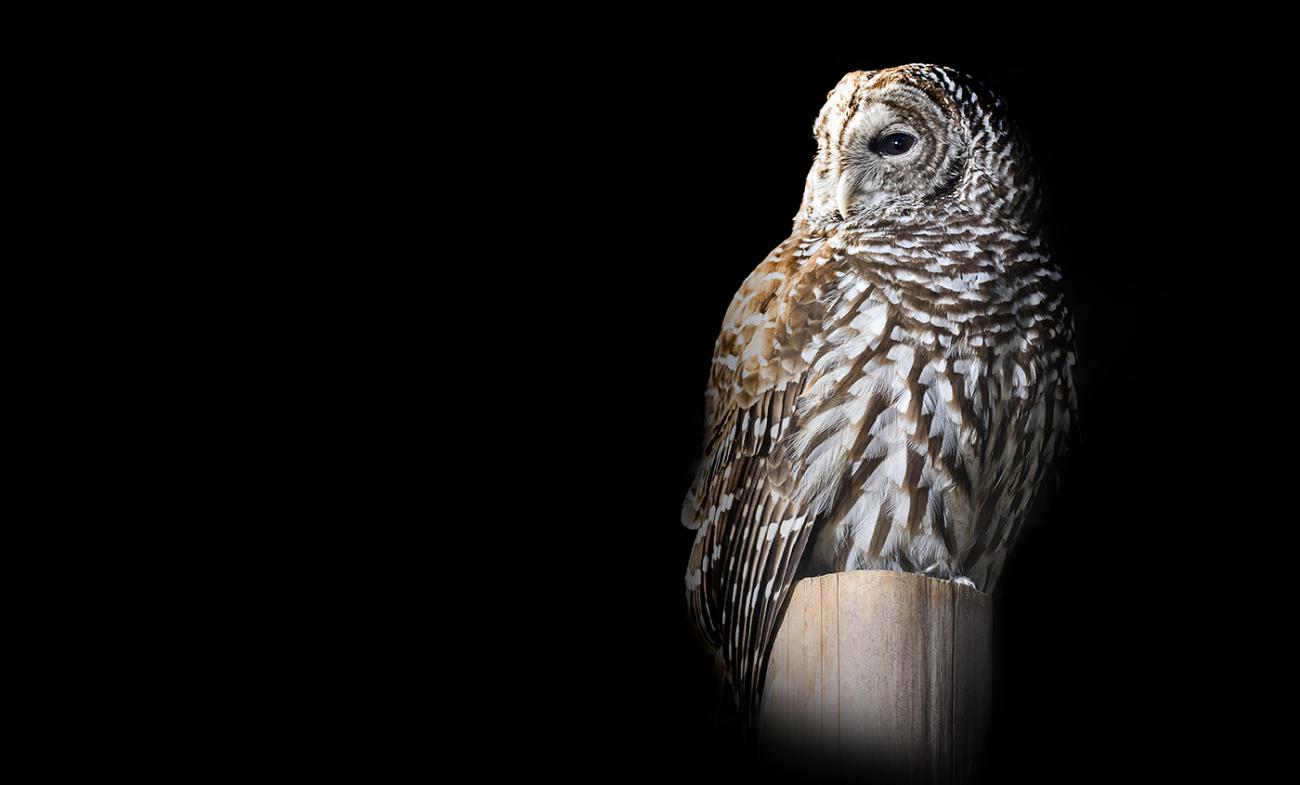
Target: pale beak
[847,189]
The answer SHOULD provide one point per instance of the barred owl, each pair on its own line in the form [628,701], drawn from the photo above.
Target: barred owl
[894,382]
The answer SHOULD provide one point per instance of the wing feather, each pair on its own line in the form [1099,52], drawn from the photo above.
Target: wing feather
[751,530]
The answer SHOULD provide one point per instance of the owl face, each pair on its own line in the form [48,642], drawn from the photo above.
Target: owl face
[904,138]
[885,139]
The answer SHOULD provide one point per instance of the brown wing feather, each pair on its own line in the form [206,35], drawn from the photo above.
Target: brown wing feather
[751,531]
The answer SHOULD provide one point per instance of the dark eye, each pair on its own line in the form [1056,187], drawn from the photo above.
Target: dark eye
[895,144]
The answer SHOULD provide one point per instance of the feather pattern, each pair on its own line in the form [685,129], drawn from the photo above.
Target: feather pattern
[892,384]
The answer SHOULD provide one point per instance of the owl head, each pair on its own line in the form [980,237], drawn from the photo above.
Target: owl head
[916,139]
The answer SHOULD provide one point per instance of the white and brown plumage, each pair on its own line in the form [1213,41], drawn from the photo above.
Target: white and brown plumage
[894,382]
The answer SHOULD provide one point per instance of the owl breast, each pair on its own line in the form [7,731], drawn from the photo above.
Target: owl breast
[935,396]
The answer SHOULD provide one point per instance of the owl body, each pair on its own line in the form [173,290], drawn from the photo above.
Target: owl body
[894,382]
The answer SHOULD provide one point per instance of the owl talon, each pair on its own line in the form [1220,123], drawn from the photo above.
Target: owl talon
[963,580]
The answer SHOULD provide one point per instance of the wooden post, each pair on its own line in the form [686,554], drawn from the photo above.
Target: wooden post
[882,673]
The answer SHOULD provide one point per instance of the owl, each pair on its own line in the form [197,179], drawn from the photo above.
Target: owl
[894,382]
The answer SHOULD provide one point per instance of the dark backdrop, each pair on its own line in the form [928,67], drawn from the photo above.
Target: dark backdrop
[681,168]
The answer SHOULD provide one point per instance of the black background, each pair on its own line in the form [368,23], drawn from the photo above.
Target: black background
[461,388]
[678,168]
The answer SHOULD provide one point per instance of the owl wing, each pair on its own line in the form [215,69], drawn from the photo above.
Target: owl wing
[751,530]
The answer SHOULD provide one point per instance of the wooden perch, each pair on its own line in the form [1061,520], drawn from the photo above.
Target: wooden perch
[882,673]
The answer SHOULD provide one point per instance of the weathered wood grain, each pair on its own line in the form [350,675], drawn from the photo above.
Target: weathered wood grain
[882,672]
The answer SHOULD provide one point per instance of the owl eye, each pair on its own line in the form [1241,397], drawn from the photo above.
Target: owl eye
[894,144]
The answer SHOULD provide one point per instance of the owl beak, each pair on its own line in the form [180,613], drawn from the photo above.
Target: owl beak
[846,193]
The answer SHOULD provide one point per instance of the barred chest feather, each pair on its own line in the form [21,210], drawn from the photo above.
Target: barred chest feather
[937,393]
[936,387]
